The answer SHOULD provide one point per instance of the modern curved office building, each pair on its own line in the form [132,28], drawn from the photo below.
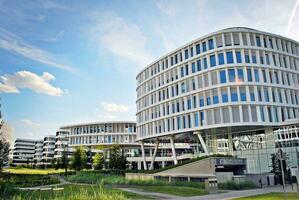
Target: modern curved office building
[229,89]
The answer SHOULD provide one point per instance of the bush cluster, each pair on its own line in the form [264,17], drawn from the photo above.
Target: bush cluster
[230,185]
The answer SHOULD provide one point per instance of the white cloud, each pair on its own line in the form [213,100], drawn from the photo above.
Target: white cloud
[114,108]
[17,45]
[122,38]
[28,80]
[28,122]
[56,37]
[182,21]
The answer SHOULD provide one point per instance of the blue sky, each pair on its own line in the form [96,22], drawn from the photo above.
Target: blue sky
[65,62]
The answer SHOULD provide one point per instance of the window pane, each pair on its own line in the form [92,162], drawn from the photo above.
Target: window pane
[208,100]
[193,68]
[256,75]
[198,62]
[234,95]
[239,58]
[240,75]
[249,75]
[212,60]
[229,57]
[231,75]
[222,76]
[204,47]
[224,98]
[205,63]
[215,99]
[211,44]
[186,54]
[220,58]
[197,49]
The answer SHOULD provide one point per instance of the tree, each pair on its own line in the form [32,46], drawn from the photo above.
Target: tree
[65,159]
[98,161]
[4,152]
[79,159]
[117,160]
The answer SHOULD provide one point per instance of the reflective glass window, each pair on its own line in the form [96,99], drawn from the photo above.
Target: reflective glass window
[220,58]
[256,75]
[229,57]
[186,54]
[215,99]
[212,60]
[249,75]
[224,97]
[222,76]
[234,95]
[240,75]
[239,57]
[204,47]
[231,75]
[198,62]
[205,63]
[193,67]
[211,44]
[197,49]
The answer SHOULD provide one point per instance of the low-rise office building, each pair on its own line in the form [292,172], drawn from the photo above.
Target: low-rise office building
[23,152]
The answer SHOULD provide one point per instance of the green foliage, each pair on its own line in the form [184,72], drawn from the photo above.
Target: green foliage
[4,152]
[72,192]
[79,159]
[174,190]
[98,161]
[6,189]
[28,180]
[107,178]
[117,160]
[230,185]
[273,196]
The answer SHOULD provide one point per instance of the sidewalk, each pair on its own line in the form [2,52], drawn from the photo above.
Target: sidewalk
[238,194]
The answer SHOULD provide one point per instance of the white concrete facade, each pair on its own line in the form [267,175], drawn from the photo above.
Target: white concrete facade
[231,88]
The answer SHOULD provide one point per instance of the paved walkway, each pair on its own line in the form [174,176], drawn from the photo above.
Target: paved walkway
[237,194]
[156,195]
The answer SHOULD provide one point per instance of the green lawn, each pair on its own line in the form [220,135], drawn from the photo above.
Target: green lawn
[110,179]
[174,190]
[33,171]
[75,192]
[272,196]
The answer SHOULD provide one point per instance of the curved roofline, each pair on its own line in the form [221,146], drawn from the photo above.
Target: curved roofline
[95,123]
[208,35]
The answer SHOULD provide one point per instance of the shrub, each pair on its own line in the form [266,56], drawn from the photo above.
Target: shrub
[230,185]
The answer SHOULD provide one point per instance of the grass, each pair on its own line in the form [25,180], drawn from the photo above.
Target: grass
[76,192]
[109,179]
[272,196]
[33,171]
[174,190]
[27,180]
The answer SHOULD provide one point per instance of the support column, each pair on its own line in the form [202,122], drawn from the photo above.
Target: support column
[155,153]
[143,155]
[214,142]
[230,141]
[202,142]
[173,150]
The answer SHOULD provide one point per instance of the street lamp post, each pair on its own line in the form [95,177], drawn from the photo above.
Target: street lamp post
[281,156]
